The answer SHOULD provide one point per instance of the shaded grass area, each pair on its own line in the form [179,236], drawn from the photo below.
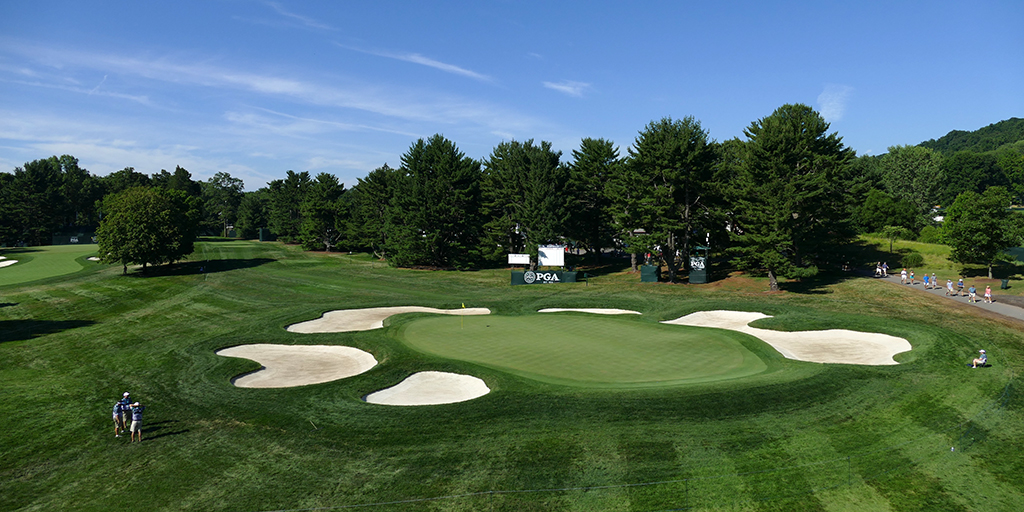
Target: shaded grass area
[803,437]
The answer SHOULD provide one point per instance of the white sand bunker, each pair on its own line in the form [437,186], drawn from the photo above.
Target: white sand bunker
[93,258]
[431,388]
[829,346]
[298,365]
[347,320]
[596,311]
[7,263]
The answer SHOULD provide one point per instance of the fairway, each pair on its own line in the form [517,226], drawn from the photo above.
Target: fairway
[35,263]
[587,350]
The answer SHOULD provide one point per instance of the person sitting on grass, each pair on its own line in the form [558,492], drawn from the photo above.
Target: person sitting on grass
[981,359]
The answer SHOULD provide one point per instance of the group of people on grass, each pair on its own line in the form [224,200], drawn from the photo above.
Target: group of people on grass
[932,282]
[124,408]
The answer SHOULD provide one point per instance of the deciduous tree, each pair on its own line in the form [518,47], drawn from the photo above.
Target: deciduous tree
[978,227]
[148,226]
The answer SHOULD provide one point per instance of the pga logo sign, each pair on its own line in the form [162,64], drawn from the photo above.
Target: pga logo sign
[544,277]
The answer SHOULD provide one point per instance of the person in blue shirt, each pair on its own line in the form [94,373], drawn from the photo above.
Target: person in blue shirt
[118,420]
[126,406]
[972,294]
[136,427]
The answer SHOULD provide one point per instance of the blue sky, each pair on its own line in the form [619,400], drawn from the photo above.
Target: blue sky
[256,88]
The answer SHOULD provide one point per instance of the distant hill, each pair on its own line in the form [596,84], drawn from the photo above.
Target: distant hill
[981,140]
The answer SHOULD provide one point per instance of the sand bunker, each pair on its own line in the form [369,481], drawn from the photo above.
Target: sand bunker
[7,263]
[347,320]
[431,388]
[93,258]
[596,311]
[829,346]
[298,365]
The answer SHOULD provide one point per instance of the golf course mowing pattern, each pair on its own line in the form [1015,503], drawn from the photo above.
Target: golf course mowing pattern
[587,350]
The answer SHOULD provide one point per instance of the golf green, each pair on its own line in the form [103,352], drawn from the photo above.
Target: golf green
[35,263]
[587,350]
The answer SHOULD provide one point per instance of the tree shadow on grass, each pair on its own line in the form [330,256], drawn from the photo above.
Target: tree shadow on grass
[7,304]
[17,330]
[200,267]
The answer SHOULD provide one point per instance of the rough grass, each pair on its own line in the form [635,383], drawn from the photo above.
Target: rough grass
[801,437]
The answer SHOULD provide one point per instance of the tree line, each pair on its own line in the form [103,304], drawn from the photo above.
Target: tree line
[785,200]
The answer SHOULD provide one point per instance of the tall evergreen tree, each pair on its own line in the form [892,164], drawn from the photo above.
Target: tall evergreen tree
[324,216]
[675,159]
[791,211]
[284,216]
[914,174]
[525,199]
[252,213]
[371,198]
[593,164]
[434,216]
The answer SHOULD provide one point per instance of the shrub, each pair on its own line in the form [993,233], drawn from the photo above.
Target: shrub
[929,235]
[913,259]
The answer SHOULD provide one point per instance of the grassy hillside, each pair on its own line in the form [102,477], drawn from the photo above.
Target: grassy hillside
[797,436]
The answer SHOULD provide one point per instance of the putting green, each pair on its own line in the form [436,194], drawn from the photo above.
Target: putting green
[36,263]
[587,350]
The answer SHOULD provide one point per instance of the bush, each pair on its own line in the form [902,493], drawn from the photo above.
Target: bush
[929,235]
[913,259]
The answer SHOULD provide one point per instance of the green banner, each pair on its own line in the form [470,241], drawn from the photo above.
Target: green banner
[542,277]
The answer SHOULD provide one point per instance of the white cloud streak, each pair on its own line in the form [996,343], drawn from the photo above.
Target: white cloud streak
[568,87]
[304,20]
[833,100]
[416,58]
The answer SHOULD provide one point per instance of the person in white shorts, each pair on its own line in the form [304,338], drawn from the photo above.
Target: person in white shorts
[982,359]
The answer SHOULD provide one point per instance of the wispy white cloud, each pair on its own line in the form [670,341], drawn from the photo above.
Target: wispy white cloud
[416,58]
[568,87]
[833,100]
[304,20]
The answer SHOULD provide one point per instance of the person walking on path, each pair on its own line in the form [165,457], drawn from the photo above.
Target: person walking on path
[903,276]
[935,282]
[982,359]
[972,294]
[136,428]
[988,294]
[949,287]
[885,269]
[960,286]
[912,282]
[927,283]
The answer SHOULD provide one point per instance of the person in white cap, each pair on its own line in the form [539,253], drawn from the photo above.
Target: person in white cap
[126,405]
[982,359]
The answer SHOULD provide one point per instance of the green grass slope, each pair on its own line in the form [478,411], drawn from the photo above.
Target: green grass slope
[799,436]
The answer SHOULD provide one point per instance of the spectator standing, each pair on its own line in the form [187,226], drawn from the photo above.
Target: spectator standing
[136,427]
[118,419]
